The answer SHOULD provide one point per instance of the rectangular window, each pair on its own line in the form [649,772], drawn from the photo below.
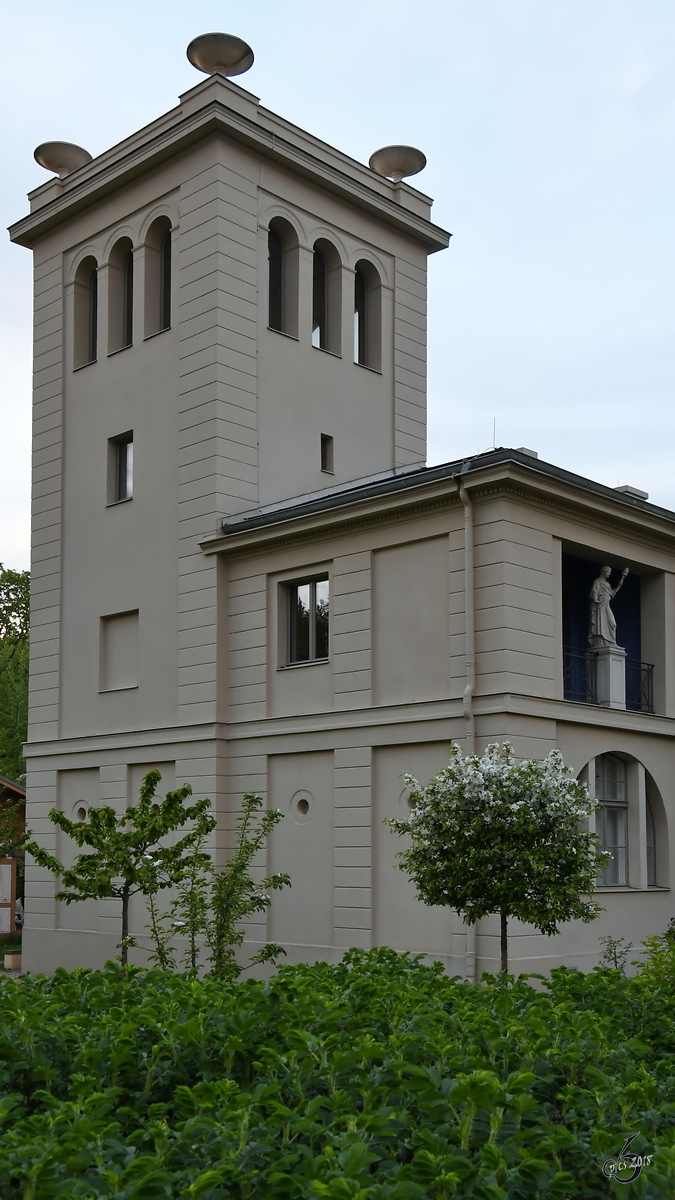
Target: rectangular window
[612,818]
[308,621]
[120,468]
[327,453]
[119,652]
[612,827]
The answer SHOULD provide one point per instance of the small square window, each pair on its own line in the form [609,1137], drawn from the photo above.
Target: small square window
[308,620]
[120,468]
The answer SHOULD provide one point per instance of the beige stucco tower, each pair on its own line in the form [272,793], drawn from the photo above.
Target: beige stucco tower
[244,573]
[189,366]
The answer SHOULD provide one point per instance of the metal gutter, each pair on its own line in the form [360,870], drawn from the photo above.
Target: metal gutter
[288,512]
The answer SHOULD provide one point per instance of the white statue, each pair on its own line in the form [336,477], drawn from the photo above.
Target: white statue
[602,630]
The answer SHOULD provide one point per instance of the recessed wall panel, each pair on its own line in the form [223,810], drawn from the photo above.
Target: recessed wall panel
[301,785]
[410,621]
[400,920]
[77,792]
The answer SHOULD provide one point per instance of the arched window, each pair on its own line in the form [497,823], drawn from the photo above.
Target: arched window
[282,277]
[612,817]
[120,296]
[157,302]
[367,316]
[85,341]
[326,297]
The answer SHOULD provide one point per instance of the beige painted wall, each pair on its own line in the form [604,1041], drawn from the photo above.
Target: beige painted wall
[301,787]
[410,621]
[399,918]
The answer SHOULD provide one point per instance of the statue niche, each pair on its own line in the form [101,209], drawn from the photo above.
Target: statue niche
[602,629]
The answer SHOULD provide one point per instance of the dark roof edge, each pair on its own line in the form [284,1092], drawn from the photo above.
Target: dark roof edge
[461,466]
[5,782]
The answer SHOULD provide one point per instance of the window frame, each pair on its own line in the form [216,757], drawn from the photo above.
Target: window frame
[613,804]
[165,271]
[319,300]
[367,331]
[85,313]
[121,468]
[291,588]
[275,280]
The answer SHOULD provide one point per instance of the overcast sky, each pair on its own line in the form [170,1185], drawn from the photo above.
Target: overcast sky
[548,126]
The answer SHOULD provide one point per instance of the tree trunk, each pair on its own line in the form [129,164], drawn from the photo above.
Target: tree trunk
[125,926]
[504,943]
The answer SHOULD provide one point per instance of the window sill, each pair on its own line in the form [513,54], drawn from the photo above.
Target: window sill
[365,367]
[282,332]
[148,337]
[132,687]
[616,887]
[83,365]
[333,353]
[112,353]
[308,662]
[122,500]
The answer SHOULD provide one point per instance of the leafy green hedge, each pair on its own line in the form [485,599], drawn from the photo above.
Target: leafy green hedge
[379,1078]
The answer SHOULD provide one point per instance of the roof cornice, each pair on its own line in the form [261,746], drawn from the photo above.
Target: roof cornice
[214,108]
[502,472]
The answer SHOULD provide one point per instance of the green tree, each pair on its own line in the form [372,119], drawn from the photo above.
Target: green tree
[126,854]
[492,835]
[212,902]
[12,832]
[14,629]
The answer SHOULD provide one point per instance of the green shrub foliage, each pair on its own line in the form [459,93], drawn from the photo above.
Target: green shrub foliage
[14,627]
[377,1079]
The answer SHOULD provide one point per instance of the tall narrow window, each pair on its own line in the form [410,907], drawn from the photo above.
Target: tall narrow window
[121,468]
[327,453]
[165,283]
[326,297]
[360,318]
[319,301]
[93,316]
[85,339]
[367,316]
[157,270]
[128,303]
[651,847]
[283,257]
[612,817]
[308,624]
[275,275]
[120,296]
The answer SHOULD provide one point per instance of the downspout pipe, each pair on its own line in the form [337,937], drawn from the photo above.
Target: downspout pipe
[470,618]
[467,698]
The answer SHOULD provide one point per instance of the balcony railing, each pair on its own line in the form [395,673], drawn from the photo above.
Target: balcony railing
[579,673]
[639,685]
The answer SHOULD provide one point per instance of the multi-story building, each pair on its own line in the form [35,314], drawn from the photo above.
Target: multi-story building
[244,574]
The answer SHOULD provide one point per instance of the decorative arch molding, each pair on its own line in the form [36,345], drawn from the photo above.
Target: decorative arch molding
[124,231]
[379,265]
[321,233]
[160,210]
[282,213]
[91,250]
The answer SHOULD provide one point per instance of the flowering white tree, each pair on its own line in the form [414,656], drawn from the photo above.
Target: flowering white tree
[492,835]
